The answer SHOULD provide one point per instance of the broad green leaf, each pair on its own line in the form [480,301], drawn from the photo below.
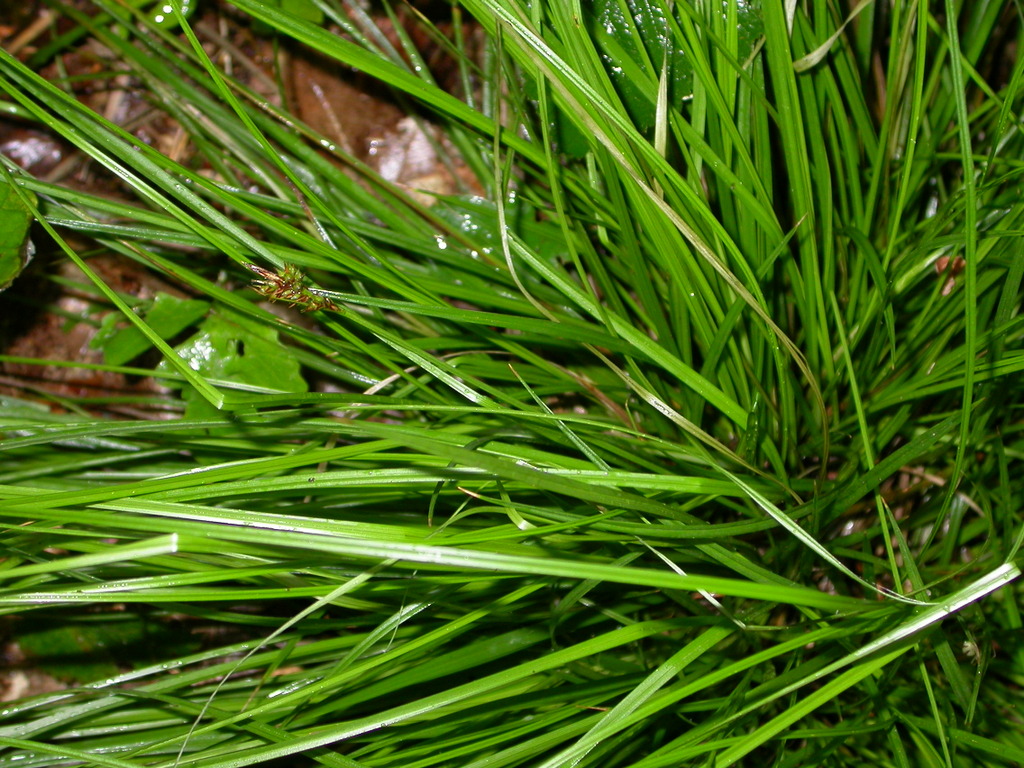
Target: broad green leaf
[478,218]
[232,348]
[633,35]
[15,247]
[168,316]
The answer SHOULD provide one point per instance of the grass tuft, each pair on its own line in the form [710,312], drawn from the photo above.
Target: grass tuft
[671,419]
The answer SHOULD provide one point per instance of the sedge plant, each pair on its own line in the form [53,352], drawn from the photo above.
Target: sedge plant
[683,430]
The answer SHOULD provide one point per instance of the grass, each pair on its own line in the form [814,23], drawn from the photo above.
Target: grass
[686,432]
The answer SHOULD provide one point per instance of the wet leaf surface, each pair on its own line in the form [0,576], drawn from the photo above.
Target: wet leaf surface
[231,347]
[632,37]
[168,316]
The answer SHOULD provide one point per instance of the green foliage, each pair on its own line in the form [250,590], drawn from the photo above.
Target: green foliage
[84,649]
[684,432]
[167,316]
[232,348]
[15,246]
